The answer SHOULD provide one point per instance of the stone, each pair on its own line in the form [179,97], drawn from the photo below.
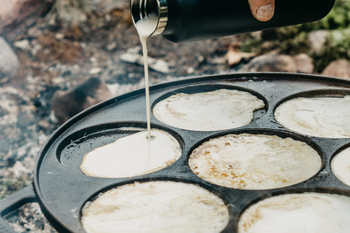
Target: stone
[338,68]
[22,44]
[16,15]
[103,6]
[66,104]
[44,124]
[29,219]
[317,39]
[234,55]
[23,150]
[131,58]
[3,112]
[304,63]
[59,36]
[158,65]
[13,10]
[154,64]
[112,46]
[271,63]
[9,62]
[17,170]
[25,118]
[190,70]
[95,70]
[70,11]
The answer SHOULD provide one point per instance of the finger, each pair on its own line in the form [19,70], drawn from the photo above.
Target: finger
[262,10]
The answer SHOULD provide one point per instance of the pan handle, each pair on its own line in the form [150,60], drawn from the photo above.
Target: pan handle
[14,201]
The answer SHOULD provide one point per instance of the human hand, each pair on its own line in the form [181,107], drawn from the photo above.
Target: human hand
[262,10]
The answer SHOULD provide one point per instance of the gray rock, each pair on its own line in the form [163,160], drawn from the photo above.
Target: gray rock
[45,124]
[11,11]
[271,63]
[17,170]
[29,219]
[17,15]
[304,63]
[3,112]
[154,64]
[66,104]
[22,44]
[112,46]
[95,70]
[9,62]
[338,68]
[103,6]
[317,39]
[5,145]
[25,119]
[70,12]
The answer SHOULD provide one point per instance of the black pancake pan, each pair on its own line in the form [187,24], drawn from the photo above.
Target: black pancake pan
[62,189]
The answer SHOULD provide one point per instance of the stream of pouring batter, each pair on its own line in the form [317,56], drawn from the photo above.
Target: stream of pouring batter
[145,28]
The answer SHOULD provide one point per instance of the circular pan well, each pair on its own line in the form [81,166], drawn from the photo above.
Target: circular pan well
[321,113]
[257,160]
[209,108]
[156,206]
[299,212]
[119,151]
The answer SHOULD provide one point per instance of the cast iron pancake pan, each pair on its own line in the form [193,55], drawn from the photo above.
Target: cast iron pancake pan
[62,189]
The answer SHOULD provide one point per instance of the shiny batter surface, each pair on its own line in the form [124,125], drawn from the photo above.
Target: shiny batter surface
[132,155]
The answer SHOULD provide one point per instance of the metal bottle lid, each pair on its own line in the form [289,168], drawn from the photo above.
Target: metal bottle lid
[141,8]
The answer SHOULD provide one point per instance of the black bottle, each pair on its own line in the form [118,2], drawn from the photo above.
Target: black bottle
[191,20]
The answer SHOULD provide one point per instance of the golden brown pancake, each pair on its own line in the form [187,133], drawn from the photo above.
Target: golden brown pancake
[249,161]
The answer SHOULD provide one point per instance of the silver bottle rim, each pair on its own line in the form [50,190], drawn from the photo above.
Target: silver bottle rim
[139,8]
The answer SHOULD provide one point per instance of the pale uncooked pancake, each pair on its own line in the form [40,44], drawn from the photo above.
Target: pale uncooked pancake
[341,166]
[248,161]
[301,213]
[327,117]
[132,155]
[208,111]
[156,207]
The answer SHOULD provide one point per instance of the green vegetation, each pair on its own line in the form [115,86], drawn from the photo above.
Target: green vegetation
[337,46]
[338,18]
[295,39]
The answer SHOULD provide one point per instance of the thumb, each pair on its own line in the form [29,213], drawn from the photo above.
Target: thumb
[262,10]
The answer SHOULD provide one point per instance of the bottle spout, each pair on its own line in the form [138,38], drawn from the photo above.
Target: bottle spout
[149,15]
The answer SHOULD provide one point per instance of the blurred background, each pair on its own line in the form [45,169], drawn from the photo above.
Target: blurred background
[58,57]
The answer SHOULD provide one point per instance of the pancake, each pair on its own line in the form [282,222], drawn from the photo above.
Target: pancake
[341,166]
[208,111]
[327,117]
[156,207]
[132,155]
[302,213]
[248,161]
